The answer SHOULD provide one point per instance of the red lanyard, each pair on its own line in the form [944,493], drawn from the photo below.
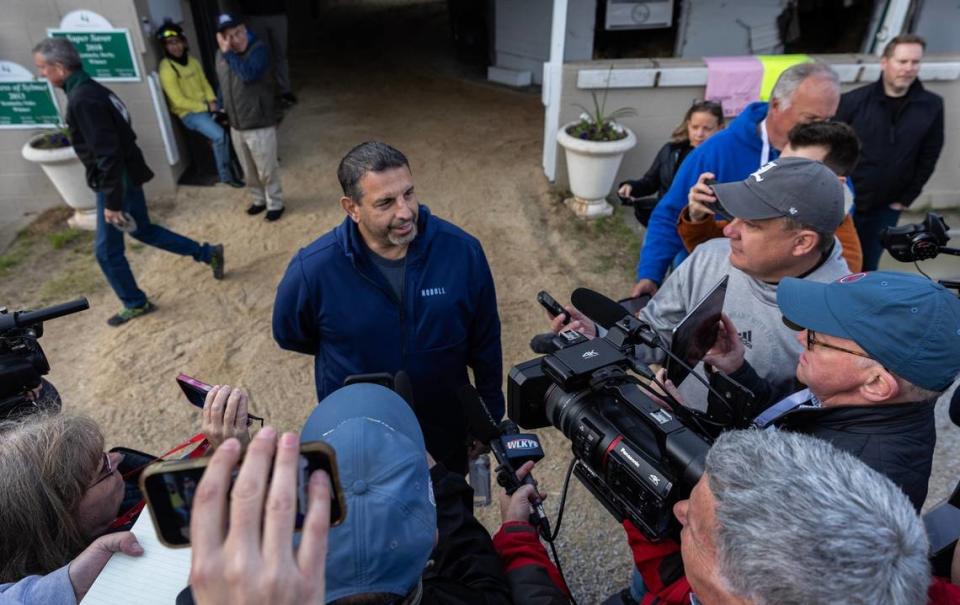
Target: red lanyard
[128,516]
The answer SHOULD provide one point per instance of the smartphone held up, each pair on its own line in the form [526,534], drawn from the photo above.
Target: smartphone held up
[170,487]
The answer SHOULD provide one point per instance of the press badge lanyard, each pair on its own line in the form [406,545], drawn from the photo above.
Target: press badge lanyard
[765,150]
[804,398]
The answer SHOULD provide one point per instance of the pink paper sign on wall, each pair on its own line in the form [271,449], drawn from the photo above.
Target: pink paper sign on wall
[733,82]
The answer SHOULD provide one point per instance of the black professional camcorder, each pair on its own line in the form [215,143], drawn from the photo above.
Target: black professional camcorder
[918,241]
[22,362]
[635,457]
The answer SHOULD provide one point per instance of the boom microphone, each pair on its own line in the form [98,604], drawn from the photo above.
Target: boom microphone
[599,308]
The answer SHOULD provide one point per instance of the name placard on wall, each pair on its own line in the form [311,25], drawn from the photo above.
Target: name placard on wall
[107,55]
[27,105]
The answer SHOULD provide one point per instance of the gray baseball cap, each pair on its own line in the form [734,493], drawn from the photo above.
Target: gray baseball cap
[798,188]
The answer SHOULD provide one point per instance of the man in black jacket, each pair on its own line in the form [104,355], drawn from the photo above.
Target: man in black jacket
[101,135]
[880,348]
[900,125]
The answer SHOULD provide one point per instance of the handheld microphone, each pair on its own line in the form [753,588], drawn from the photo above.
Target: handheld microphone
[511,448]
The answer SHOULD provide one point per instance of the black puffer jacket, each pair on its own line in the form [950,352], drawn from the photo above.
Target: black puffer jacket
[899,150]
[658,178]
[464,568]
[101,134]
[894,439]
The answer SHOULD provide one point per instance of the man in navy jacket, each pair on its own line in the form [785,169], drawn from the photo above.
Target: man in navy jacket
[394,288]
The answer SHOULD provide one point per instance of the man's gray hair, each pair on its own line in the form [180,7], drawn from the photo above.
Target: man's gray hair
[59,50]
[790,80]
[370,156]
[800,522]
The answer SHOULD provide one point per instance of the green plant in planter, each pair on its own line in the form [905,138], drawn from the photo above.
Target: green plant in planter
[55,138]
[597,125]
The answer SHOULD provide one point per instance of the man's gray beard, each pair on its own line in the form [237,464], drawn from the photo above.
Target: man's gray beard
[404,240]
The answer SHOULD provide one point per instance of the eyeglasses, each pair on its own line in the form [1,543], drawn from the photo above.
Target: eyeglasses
[812,340]
[106,469]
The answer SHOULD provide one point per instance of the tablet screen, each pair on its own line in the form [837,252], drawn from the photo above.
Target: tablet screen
[696,332]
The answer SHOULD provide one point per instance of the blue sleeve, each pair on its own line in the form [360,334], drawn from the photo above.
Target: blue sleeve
[486,356]
[662,242]
[252,65]
[52,589]
[295,311]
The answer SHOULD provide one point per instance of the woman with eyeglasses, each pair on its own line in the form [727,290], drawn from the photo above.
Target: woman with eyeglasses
[703,119]
[61,490]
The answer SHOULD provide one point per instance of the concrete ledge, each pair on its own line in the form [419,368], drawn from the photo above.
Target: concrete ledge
[510,77]
[851,69]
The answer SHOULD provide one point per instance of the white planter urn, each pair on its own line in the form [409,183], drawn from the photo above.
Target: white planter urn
[592,167]
[66,172]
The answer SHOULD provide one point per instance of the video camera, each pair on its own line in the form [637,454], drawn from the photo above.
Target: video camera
[920,241]
[22,362]
[635,457]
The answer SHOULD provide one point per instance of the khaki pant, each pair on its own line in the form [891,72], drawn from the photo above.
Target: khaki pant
[257,150]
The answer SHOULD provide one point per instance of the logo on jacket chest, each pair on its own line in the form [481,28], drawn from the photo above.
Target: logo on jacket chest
[120,107]
[747,338]
[425,292]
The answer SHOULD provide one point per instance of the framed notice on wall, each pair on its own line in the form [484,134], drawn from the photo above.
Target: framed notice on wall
[107,55]
[28,104]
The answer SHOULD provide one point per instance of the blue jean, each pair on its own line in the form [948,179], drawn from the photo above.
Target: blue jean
[869,225]
[204,123]
[109,246]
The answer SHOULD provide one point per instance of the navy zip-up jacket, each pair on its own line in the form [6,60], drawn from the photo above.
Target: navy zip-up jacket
[334,304]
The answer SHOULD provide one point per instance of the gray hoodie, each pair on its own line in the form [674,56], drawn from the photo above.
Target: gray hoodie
[771,347]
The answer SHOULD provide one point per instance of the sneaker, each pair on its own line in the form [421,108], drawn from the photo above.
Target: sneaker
[256,209]
[235,183]
[273,215]
[216,261]
[129,313]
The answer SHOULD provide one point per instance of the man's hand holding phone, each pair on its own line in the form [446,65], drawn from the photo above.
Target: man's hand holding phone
[701,202]
[225,415]
[246,554]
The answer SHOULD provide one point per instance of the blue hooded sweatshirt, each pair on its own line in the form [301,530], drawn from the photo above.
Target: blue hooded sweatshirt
[334,303]
[732,155]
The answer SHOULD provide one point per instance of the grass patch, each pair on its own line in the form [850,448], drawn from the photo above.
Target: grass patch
[613,244]
[61,239]
[79,277]
[49,262]
[19,251]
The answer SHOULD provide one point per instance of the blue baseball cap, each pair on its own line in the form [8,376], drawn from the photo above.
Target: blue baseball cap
[226,21]
[391,524]
[908,323]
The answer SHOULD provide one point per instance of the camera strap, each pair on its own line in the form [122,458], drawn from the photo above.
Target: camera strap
[130,515]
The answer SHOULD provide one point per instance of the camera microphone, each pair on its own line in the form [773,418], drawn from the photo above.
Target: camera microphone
[599,308]
[511,448]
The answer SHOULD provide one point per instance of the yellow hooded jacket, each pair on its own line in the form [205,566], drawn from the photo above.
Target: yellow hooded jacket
[186,86]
